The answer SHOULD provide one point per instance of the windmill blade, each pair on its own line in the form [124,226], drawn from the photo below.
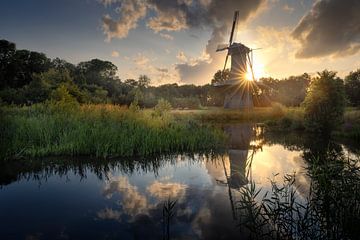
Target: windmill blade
[236,14]
[251,65]
[226,59]
[222,47]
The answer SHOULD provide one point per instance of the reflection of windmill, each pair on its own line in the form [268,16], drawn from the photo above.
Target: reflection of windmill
[240,160]
[238,90]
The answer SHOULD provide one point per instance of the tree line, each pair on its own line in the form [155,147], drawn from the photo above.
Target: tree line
[28,77]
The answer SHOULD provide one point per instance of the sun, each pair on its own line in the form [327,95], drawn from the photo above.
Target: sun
[259,71]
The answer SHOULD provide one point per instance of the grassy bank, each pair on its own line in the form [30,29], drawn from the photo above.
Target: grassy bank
[220,115]
[99,130]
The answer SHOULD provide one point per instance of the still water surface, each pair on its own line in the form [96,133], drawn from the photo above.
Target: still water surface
[124,199]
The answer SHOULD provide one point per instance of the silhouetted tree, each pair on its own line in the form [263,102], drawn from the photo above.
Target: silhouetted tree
[220,76]
[352,87]
[324,103]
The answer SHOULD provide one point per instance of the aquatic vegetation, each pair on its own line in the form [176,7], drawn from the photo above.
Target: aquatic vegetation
[99,130]
[330,210]
[168,213]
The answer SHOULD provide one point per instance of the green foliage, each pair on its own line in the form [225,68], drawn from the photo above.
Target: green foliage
[28,77]
[220,76]
[329,210]
[325,103]
[189,102]
[290,91]
[162,108]
[134,106]
[278,109]
[103,131]
[352,87]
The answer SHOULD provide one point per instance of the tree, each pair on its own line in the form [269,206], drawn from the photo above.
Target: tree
[352,88]
[144,81]
[324,103]
[97,72]
[220,76]
[7,51]
[18,66]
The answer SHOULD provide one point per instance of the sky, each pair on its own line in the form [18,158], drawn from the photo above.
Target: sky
[175,41]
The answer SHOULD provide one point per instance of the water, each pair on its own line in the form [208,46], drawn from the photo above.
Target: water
[124,199]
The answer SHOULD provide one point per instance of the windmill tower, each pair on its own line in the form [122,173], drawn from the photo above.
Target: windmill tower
[238,90]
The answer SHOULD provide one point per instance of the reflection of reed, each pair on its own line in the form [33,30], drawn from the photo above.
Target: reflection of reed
[168,213]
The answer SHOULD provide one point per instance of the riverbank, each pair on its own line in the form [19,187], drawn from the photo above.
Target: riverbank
[115,131]
[101,131]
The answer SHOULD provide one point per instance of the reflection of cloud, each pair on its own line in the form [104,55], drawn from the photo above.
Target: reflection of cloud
[109,214]
[164,191]
[132,201]
[202,218]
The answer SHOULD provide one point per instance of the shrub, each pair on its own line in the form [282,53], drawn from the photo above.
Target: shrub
[162,107]
[278,109]
[324,103]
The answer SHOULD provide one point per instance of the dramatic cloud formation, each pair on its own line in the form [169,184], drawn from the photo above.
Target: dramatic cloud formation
[130,12]
[214,15]
[331,27]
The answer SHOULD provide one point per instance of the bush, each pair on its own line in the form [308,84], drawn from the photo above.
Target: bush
[324,103]
[278,109]
[162,107]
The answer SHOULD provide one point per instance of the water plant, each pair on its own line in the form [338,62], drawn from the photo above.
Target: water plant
[329,210]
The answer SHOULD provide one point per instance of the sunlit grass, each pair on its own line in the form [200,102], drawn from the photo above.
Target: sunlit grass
[100,130]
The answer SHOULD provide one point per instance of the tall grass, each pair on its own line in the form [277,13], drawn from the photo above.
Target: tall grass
[99,130]
[331,210]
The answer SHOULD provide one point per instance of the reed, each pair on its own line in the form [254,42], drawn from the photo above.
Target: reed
[101,131]
[330,209]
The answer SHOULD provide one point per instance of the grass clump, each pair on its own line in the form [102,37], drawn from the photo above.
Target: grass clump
[99,130]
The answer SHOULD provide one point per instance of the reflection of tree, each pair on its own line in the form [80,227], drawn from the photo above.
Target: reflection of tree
[330,211]
[42,169]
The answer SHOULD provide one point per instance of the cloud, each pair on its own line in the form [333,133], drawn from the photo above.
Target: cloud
[331,27]
[181,56]
[173,20]
[166,36]
[158,74]
[213,15]
[115,54]
[131,11]
[140,59]
[288,9]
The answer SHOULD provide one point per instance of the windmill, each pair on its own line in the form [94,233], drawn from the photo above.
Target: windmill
[237,88]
